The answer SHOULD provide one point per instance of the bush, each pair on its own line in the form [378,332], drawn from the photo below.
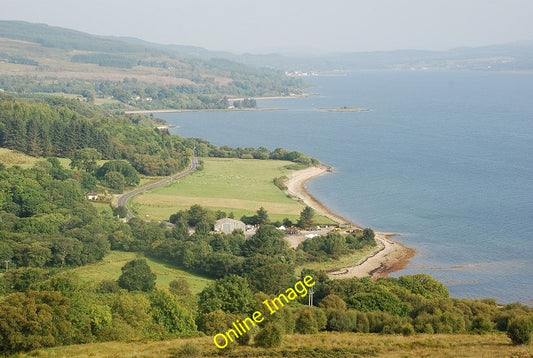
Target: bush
[187,350]
[333,302]
[341,320]
[269,337]
[519,330]
[311,320]
[107,286]
[179,287]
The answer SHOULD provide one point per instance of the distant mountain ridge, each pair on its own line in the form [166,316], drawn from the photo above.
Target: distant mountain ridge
[516,56]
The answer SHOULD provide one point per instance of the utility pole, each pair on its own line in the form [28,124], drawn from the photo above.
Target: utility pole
[311,293]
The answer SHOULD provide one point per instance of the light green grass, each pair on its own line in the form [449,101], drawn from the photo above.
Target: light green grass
[102,207]
[11,158]
[342,262]
[231,185]
[109,269]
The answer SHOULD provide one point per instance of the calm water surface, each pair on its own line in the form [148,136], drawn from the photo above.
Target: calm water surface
[444,158]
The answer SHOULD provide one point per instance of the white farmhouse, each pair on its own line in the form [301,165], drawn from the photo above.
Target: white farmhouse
[227,225]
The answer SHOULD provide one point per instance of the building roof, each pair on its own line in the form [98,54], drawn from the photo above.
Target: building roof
[228,221]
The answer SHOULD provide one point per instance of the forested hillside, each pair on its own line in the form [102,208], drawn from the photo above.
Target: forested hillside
[59,127]
[37,58]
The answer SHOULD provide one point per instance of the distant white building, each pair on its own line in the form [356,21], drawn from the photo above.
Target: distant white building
[92,195]
[227,225]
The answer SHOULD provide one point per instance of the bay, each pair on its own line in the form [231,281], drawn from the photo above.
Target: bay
[443,158]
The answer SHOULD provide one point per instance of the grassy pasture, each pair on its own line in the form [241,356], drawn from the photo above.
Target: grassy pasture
[109,269]
[322,345]
[231,185]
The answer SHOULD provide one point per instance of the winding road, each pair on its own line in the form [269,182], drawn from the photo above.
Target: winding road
[123,198]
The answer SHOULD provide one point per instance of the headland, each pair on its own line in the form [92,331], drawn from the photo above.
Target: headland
[390,255]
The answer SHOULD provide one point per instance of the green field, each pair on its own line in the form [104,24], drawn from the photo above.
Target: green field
[109,269]
[322,345]
[240,186]
[10,158]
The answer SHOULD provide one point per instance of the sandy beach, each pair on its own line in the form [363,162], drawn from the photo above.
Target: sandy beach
[390,255]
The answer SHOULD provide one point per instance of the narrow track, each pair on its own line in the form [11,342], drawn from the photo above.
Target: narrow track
[124,198]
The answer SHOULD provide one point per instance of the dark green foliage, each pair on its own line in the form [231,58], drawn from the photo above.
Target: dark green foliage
[272,278]
[108,286]
[268,240]
[69,128]
[137,276]
[335,244]
[333,302]
[306,218]
[310,320]
[144,235]
[341,320]
[128,172]
[297,157]
[120,211]
[520,330]
[114,180]
[85,159]
[270,336]
[424,285]
[231,295]
[167,312]
[24,279]
[33,320]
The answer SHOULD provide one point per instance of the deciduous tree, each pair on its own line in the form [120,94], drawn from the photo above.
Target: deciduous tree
[137,276]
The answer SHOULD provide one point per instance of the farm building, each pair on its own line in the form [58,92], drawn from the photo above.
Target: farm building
[92,195]
[227,225]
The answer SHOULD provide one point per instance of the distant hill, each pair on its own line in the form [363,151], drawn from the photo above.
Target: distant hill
[127,73]
[516,56]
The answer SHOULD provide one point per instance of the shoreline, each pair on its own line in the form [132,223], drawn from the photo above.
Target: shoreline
[389,257]
[154,111]
[170,110]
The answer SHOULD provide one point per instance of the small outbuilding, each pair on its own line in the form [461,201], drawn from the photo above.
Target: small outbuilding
[92,195]
[227,225]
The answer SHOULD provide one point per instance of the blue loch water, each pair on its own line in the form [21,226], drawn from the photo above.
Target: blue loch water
[444,158]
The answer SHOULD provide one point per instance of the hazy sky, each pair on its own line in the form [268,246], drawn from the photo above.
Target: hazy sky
[290,25]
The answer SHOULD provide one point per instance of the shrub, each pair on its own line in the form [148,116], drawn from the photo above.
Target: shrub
[519,330]
[341,320]
[311,320]
[179,287]
[407,329]
[270,336]
[482,324]
[333,302]
[107,286]
[187,350]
